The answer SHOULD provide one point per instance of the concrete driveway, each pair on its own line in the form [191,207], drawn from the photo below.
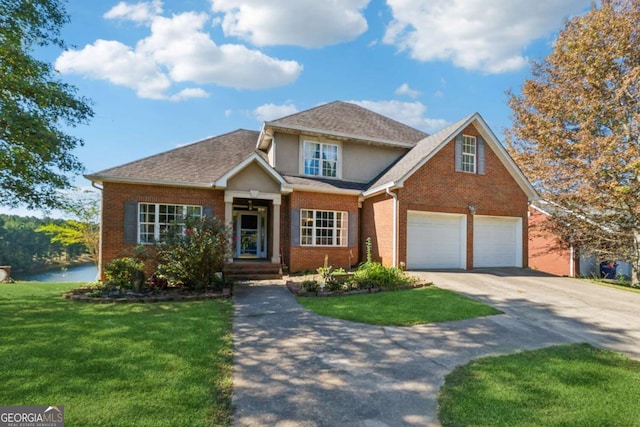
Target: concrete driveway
[295,368]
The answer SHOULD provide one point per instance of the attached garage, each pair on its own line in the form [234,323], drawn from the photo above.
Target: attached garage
[436,240]
[497,241]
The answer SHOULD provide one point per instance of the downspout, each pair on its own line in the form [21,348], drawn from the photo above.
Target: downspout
[394,262]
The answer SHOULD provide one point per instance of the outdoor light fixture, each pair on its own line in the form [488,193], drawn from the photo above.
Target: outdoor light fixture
[472,209]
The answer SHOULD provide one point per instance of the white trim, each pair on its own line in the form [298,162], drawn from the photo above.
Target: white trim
[302,139]
[493,142]
[229,195]
[222,182]
[335,228]
[102,179]
[459,219]
[381,189]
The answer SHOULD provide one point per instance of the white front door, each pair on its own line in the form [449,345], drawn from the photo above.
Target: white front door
[250,235]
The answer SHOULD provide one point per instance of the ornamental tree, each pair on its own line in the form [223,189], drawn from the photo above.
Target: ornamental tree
[576,130]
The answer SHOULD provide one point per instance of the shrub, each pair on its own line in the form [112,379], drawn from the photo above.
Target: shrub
[374,274]
[194,252]
[309,286]
[125,273]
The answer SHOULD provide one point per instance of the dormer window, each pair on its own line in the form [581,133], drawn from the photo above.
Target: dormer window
[320,159]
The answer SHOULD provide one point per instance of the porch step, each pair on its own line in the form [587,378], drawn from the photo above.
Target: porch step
[244,270]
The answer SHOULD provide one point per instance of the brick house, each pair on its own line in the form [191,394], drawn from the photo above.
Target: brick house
[320,182]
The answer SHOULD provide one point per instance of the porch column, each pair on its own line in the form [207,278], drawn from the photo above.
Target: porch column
[275,238]
[228,221]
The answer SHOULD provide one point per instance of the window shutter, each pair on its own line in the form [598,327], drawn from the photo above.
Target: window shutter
[481,156]
[207,211]
[130,223]
[353,230]
[458,153]
[295,227]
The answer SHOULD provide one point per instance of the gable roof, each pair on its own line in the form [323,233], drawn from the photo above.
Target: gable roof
[199,164]
[346,120]
[431,145]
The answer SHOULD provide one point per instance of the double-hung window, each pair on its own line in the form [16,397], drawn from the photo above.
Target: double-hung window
[469,153]
[323,228]
[154,219]
[320,159]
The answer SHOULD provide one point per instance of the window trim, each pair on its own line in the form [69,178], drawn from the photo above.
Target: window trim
[467,141]
[156,223]
[338,231]
[322,142]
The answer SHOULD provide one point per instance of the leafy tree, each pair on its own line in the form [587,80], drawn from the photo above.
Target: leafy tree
[576,129]
[35,107]
[84,229]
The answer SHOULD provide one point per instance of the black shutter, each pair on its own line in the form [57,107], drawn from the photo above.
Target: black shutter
[458,153]
[207,211]
[295,227]
[130,223]
[481,156]
[353,229]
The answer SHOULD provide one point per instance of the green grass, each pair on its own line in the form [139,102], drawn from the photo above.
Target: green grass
[399,308]
[622,286]
[569,385]
[116,364]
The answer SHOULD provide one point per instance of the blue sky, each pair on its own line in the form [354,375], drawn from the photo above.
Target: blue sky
[166,73]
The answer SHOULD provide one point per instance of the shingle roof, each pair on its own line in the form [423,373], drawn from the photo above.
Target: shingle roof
[325,184]
[348,119]
[200,163]
[417,154]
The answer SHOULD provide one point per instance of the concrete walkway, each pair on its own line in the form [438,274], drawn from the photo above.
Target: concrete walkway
[295,368]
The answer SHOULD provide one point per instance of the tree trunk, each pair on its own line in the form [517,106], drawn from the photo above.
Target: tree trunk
[635,262]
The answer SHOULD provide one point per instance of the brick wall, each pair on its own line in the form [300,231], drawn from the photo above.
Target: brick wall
[546,251]
[437,187]
[114,196]
[302,258]
[377,223]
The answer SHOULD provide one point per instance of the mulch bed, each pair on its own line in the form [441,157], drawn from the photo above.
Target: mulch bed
[294,288]
[80,294]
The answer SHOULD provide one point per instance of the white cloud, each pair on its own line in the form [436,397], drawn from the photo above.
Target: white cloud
[307,23]
[139,12]
[409,113]
[177,50]
[488,36]
[404,89]
[268,112]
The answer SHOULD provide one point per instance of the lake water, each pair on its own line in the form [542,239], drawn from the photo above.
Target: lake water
[79,273]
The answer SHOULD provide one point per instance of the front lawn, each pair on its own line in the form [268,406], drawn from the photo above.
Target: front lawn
[116,364]
[568,385]
[399,308]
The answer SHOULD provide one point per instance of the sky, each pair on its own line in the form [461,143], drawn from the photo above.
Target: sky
[162,74]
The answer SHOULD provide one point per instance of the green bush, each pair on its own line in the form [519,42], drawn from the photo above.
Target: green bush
[309,286]
[375,275]
[194,252]
[125,273]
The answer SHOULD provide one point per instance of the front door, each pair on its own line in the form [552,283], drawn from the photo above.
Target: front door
[249,235]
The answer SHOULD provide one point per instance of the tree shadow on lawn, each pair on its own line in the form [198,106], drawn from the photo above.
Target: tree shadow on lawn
[292,365]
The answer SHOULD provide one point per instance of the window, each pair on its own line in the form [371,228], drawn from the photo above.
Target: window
[323,228]
[320,159]
[468,153]
[154,219]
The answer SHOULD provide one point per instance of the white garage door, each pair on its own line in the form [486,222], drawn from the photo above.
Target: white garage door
[497,241]
[436,240]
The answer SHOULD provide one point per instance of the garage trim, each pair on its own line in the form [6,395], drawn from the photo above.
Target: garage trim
[497,241]
[436,240]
